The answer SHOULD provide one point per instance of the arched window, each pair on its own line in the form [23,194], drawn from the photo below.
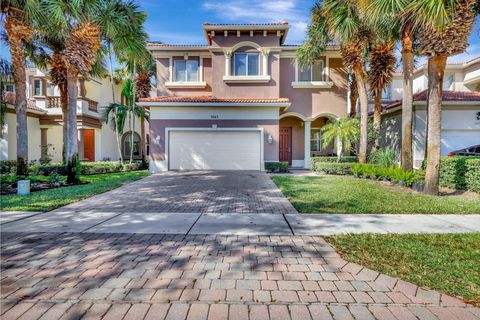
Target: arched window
[126,142]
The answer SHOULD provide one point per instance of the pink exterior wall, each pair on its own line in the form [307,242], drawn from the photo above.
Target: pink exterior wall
[163,77]
[268,90]
[312,102]
[157,128]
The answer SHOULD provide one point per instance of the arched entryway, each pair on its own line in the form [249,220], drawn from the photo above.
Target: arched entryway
[317,147]
[126,142]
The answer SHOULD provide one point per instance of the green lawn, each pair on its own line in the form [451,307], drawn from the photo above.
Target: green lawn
[50,199]
[444,262]
[335,194]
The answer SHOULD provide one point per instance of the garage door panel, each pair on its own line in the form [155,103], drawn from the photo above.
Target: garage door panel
[215,150]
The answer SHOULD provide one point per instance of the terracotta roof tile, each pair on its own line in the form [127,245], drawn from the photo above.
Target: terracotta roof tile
[446,96]
[161,44]
[10,97]
[210,99]
[247,24]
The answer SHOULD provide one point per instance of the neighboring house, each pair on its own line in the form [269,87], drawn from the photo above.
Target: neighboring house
[460,110]
[96,140]
[240,100]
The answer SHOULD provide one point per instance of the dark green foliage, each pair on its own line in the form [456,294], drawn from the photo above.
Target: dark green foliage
[460,173]
[73,170]
[330,159]
[276,167]
[334,168]
[86,168]
[7,165]
[392,173]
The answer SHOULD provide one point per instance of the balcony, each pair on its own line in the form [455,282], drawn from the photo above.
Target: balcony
[83,104]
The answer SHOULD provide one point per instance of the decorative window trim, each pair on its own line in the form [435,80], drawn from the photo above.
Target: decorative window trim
[186,69]
[324,84]
[186,84]
[40,88]
[316,140]
[247,79]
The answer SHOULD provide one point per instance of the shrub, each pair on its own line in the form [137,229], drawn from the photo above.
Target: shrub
[344,168]
[86,168]
[7,165]
[276,167]
[472,174]
[384,157]
[47,169]
[329,159]
[392,173]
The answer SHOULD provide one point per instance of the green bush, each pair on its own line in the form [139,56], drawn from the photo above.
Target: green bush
[7,165]
[86,168]
[47,169]
[472,174]
[276,167]
[384,157]
[392,173]
[329,159]
[344,168]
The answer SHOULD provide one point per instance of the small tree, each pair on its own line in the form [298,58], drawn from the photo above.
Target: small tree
[343,132]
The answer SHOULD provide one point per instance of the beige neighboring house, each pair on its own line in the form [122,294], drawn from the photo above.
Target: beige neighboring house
[96,140]
[240,100]
[460,109]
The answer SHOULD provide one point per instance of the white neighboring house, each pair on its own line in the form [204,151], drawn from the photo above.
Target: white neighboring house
[96,140]
[460,109]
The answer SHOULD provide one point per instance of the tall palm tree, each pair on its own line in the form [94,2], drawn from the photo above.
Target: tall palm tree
[380,74]
[19,16]
[343,132]
[401,19]
[445,36]
[339,20]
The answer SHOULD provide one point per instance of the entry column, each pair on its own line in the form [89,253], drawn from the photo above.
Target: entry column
[307,129]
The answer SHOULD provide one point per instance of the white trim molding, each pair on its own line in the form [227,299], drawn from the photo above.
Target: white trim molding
[213,104]
[185,84]
[312,84]
[247,79]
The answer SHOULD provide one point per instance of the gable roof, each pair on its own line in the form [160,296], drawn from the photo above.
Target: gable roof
[447,95]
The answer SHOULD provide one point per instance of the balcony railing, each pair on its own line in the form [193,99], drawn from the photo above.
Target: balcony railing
[54,102]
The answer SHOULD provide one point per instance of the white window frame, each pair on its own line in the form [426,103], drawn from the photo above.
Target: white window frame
[246,64]
[311,73]
[323,84]
[186,69]
[40,87]
[316,140]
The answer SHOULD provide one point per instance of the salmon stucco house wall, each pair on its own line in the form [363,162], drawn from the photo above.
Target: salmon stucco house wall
[240,100]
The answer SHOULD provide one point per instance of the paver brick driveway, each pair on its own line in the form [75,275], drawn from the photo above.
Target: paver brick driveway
[193,191]
[130,276]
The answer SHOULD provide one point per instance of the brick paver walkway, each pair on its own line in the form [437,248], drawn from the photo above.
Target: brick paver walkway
[193,191]
[131,276]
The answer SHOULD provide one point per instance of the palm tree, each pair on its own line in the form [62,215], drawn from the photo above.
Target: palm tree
[20,16]
[382,65]
[401,19]
[339,20]
[343,132]
[445,36]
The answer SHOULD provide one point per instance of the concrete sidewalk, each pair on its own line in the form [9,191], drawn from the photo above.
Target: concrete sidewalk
[235,223]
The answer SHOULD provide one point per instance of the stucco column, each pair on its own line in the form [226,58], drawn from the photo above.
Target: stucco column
[307,126]
[43,142]
[228,62]
[265,54]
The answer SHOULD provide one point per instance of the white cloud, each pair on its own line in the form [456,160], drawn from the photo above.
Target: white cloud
[296,12]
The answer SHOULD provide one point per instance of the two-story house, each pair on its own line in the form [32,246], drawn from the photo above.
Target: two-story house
[460,109]
[241,100]
[96,140]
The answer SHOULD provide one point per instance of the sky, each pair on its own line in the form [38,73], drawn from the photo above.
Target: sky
[181,21]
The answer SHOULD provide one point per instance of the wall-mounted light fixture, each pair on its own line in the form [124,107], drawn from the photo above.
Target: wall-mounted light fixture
[270,139]
[157,139]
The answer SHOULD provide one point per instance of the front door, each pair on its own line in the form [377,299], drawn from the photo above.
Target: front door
[286,144]
[89,144]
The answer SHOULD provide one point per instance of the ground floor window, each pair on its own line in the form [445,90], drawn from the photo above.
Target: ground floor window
[137,150]
[316,140]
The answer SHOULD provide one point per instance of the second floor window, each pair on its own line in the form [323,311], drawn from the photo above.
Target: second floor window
[37,87]
[313,72]
[247,64]
[186,70]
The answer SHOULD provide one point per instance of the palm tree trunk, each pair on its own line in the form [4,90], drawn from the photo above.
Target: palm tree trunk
[407,98]
[73,162]
[117,132]
[19,77]
[377,120]
[64,104]
[436,71]
[339,148]
[363,98]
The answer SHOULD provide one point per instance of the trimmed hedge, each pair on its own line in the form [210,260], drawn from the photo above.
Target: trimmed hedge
[276,167]
[391,173]
[86,168]
[344,168]
[460,173]
[329,159]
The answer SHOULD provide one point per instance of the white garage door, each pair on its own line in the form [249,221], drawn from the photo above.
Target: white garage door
[215,150]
